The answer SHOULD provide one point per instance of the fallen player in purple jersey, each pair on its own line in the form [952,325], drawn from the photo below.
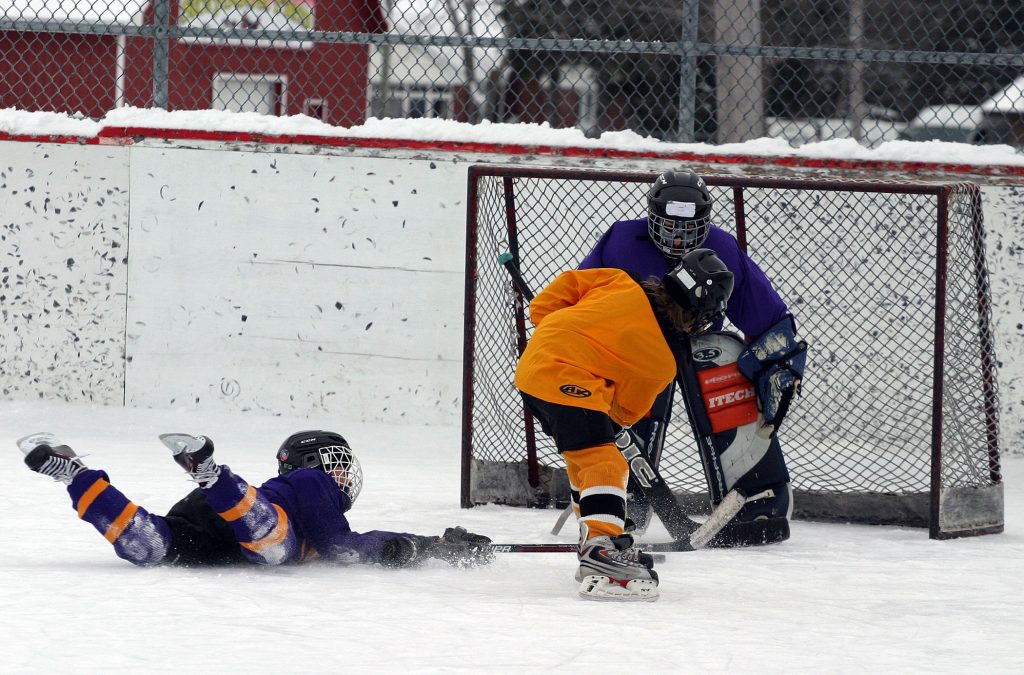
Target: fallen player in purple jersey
[296,516]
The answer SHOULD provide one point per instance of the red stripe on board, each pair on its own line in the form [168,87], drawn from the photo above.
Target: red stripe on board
[128,135]
[28,138]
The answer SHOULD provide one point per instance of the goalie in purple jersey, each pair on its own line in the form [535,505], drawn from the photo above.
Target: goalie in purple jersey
[296,516]
[678,221]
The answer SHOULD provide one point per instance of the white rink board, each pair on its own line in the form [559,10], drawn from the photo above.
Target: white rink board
[356,307]
[1004,224]
[63,249]
[296,283]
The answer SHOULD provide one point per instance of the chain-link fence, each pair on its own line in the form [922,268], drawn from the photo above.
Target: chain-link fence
[690,70]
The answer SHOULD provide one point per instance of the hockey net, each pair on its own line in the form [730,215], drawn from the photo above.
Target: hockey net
[897,423]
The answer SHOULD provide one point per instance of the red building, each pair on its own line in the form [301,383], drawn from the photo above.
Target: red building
[91,74]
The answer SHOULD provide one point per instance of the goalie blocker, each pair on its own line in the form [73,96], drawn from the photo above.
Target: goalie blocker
[736,448]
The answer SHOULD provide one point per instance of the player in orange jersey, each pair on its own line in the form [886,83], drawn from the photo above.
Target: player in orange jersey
[604,347]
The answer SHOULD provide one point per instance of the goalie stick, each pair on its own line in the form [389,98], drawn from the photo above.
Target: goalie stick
[643,475]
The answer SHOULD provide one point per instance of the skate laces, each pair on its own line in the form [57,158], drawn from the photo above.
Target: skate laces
[61,467]
[625,551]
[629,555]
[206,473]
[618,549]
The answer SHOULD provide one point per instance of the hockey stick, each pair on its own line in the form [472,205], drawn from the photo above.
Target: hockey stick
[722,514]
[649,434]
[534,548]
[508,261]
[719,518]
[689,535]
[549,548]
[649,481]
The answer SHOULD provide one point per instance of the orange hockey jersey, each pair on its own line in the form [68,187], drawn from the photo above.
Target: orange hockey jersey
[597,345]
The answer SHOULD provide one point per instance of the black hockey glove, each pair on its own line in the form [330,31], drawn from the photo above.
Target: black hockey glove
[406,551]
[461,548]
[456,546]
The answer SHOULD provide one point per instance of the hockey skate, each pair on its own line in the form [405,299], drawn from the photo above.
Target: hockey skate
[195,455]
[45,454]
[611,568]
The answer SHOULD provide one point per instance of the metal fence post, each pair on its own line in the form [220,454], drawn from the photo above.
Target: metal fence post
[688,70]
[161,52]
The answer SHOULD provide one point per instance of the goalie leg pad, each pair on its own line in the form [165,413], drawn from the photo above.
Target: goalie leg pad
[736,450]
[769,473]
[751,533]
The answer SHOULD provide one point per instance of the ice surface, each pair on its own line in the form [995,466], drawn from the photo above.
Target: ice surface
[833,599]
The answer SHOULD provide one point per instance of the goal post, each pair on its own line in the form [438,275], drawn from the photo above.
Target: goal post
[898,419]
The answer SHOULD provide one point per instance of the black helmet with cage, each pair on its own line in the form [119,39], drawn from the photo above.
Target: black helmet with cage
[701,284]
[678,212]
[324,450]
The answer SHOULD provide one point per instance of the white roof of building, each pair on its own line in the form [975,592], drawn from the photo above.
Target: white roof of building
[1009,100]
[272,18]
[103,12]
[948,115]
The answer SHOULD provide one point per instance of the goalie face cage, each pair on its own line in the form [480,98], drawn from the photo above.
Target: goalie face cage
[897,423]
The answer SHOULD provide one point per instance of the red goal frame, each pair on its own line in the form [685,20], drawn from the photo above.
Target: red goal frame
[952,483]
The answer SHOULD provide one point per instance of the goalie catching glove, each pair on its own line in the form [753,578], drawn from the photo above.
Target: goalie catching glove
[774,362]
[457,547]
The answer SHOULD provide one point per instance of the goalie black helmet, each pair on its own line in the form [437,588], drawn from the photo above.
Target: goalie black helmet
[678,212]
[701,284]
[324,450]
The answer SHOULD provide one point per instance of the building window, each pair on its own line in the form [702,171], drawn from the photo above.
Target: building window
[315,108]
[249,92]
[417,108]
[412,102]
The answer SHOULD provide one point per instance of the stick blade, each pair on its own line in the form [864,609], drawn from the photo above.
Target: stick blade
[719,518]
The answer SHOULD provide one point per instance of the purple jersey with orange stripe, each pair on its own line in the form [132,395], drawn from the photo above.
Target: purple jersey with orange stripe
[754,307]
[289,518]
[316,508]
